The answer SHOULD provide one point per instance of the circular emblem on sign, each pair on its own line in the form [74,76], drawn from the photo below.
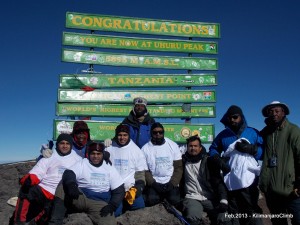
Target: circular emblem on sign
[185,132]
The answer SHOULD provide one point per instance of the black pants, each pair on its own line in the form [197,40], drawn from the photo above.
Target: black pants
[243,203]
[153,197]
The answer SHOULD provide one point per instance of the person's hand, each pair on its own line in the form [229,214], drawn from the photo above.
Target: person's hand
[108,209]
[220,164]
[46,153]
[158,187]
[71,189]
[106,156]
[222,207]
[246,147]
[168,186]
[26,185]
[107,142]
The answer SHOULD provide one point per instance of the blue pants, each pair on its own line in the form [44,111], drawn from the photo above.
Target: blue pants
[138,203]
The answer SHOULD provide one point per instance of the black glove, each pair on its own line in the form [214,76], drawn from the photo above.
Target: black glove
[139,186]
[106,156]
[168,186]
[246,147]
[108,209]
[158,187]
[220,164]
[26,185]
[222,207]
[71,190]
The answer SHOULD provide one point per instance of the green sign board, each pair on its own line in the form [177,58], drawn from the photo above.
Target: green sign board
[118,110]
[101,130]
[143,44]
[145,61]
[127,96]
[142,26]
[136,80]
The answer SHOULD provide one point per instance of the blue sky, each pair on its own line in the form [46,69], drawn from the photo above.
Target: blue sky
[258,59]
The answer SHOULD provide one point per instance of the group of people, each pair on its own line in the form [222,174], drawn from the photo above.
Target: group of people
[141,167]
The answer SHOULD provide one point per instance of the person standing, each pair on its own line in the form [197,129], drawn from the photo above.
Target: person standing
[280,175]
[39,185]
[164,172]
[130,162]
[243,200]
[89,186]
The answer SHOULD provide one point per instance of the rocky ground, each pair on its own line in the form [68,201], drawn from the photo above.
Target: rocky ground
[157,215]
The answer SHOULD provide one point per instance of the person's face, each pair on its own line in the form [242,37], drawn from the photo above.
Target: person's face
[81,136]
[138,108]
[234,120]
[158,132]
[123,137]
[194,147]
[64,147]
[96,157]
[276,114]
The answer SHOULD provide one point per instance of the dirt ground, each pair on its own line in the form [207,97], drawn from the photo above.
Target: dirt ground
[157,215]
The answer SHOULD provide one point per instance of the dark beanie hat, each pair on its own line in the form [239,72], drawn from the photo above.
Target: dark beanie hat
[80,126]
[156,124]
[234,110]
[95,146]
[64,137]
[122,128]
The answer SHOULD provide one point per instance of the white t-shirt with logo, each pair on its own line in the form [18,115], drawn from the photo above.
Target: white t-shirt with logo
[97,179]
[127,160]
[50,170]
[160,159]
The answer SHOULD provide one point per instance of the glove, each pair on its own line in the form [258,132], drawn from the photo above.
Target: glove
[158,187]
[246,147]
[71,189]
[47,153]
[130,195]
[222,207]
[168,186]
[220,164]
[106,156]
[139,186]
[108,209]
[107,142]
[26,185]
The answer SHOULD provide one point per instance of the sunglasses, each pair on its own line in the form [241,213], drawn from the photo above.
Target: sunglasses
[234,117]
[158,132]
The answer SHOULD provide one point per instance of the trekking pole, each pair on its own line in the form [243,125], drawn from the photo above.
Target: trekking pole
[171,209]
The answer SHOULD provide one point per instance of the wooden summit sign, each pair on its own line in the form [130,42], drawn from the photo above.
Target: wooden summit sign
[101,130]
[141,26]
[118,110]
[144,44]
[136,80]
[127,96]
[145,61]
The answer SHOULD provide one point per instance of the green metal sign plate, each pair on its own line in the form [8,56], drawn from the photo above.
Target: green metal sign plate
[118,110]
[143,44]
[145,61]
[153,96]
[101,130]
[141,25]
[136,80]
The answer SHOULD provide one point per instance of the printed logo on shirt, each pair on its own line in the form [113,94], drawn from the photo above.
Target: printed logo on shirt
[162,162]
[98,178]
[122,165]
[61,170]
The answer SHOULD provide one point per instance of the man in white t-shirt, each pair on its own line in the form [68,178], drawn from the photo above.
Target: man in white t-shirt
[39,185]
[130,162]
[164,172]
[92,186]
